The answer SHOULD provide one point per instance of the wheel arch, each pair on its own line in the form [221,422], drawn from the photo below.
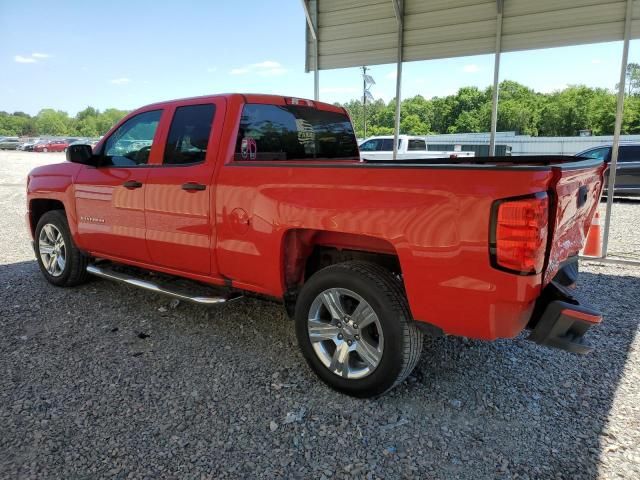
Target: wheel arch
[305,251]
[40,206]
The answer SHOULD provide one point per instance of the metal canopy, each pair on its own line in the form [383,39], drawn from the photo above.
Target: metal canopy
[365,32]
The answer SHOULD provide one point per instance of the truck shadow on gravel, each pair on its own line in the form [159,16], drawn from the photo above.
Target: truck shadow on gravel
[470,409]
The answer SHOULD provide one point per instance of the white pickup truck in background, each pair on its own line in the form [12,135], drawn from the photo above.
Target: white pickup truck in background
[415,148]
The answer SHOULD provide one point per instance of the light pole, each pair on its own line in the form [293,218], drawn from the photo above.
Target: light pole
[367,82]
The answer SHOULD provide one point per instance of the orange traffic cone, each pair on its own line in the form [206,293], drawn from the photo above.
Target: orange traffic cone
[593,246]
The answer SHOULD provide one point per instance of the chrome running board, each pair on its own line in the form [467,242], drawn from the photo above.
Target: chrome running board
[108,273]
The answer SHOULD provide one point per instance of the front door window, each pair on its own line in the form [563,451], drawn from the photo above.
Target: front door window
[130,144]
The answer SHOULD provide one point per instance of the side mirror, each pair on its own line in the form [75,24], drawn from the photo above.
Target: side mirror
[81,154]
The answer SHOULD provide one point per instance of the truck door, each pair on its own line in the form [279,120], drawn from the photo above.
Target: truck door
[628,169]
[110,198]
[180,228]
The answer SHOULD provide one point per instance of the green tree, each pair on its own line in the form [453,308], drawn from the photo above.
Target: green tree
[52,122]
[632,80]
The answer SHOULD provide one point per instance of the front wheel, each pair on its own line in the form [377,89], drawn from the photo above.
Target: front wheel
[355,330]
[60,261]
[45,150]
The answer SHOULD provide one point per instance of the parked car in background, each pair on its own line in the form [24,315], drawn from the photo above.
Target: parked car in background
[28,145]
[85,141]
[51,146]
[415,148]
[628,169]
[9,143]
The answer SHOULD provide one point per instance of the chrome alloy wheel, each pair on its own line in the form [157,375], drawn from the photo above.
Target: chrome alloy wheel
[53,252]
[345,333]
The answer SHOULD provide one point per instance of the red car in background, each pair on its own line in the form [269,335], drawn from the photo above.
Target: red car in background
[51,146]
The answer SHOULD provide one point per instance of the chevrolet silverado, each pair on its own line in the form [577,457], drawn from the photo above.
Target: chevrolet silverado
[211,198]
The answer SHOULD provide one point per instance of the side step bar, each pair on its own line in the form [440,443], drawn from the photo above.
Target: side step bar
[154,287]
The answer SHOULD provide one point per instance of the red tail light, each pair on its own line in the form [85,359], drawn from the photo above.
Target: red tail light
[519,230]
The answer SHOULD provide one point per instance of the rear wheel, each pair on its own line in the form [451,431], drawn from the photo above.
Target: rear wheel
[354,328]
[45,149]
[60,261]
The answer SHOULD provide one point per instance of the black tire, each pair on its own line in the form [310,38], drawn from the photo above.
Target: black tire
[385,294]
[75,269]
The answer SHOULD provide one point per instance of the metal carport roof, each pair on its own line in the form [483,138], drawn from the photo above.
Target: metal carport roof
[350,33]
[364,32]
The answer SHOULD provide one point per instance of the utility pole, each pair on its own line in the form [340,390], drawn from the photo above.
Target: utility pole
[367,83]
[364,99]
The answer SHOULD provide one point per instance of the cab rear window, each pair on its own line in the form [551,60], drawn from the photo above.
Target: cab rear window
[289,132]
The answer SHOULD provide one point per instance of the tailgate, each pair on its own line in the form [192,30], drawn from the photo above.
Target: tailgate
[577,194]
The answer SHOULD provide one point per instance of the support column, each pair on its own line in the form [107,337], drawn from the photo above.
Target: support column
[398,7]
[314,35]
[496,79]
[618,126]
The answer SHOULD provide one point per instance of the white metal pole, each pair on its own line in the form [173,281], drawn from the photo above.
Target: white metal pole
[314,34]
[496,80]
[618,126]
[316,54]
[364,100]
[398,6]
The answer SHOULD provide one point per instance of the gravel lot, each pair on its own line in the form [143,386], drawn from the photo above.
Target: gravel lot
[107,381]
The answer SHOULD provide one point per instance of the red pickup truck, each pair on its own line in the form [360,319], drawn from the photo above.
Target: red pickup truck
[215,197]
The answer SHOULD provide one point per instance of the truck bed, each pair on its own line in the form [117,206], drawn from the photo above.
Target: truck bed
[436,217]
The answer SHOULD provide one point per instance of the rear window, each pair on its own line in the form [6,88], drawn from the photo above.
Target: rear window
[288,132]
[189,135]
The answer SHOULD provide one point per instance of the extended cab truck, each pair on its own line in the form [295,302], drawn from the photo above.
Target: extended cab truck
[414,148]
[267,195]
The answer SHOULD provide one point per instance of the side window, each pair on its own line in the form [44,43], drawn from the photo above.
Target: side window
[599,153]
[386,145]
[130,144]
[294,132]
[189,135]
[629,153]
[417,144]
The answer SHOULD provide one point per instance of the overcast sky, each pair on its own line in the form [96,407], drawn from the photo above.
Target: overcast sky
[124,54]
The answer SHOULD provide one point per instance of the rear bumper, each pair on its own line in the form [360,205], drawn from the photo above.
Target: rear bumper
[560,321]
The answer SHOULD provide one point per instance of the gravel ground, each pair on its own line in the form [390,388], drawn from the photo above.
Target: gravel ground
[108,381]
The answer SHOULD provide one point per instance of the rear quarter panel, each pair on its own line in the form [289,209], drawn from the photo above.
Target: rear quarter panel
[437,220]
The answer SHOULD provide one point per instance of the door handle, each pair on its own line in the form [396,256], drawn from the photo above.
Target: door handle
[131,184]
[192,186]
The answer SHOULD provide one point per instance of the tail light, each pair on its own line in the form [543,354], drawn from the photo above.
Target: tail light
[519,231]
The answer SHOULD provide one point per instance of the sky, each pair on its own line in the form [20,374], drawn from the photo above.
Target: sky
[69,54]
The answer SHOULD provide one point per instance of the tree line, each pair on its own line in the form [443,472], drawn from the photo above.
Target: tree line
[520,109]
[89,122]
